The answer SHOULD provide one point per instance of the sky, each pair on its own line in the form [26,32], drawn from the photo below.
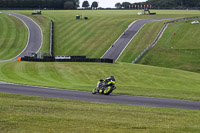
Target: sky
[109,3]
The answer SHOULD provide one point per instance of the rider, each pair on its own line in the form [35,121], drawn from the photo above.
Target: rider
[110,79]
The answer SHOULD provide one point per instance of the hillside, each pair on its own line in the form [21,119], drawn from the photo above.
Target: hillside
[180,51]
[94,36]
[21,113]
[131,79]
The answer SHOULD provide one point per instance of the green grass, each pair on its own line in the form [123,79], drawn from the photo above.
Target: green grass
[181,51]
[13,36]
[20,113]
[27,114]
[94,36]
[90,37]
[131,79]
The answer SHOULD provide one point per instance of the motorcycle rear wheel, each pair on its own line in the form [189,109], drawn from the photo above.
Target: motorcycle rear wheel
[94,91]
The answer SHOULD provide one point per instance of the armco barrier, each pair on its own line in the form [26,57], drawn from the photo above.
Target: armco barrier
[159,35]
[52,38]
[177,20]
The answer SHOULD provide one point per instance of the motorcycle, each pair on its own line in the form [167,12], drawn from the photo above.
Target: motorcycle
[104,87]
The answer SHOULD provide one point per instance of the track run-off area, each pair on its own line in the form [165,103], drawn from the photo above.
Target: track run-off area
[34,44]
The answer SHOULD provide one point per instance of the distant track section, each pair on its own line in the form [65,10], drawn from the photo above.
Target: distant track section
[122,42]
[35,36]
[88,96]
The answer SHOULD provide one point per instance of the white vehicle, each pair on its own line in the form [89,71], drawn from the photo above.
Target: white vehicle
[195,22]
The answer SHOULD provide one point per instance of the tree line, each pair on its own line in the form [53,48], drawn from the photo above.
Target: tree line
[74,4]
[87,5]
[162,4]
[40,4]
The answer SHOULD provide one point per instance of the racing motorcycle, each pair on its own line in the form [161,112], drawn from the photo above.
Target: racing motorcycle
[104,87]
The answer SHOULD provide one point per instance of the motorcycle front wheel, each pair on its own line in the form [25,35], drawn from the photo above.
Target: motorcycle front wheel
[108,90]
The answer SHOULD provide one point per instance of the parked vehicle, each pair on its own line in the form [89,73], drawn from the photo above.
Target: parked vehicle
[195,22]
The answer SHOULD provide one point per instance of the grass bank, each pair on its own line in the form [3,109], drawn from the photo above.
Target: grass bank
[94,36]
[13,36]
[35,114]
[180,51]
[131,79]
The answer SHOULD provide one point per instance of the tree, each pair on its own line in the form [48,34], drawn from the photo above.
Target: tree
[125,5]
[49,3]
[94,5]
[56,4]
[118,5]
[85,4]
[3,3]
[68,5]
[76,4]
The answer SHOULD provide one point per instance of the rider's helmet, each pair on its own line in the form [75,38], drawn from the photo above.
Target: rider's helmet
[111,77]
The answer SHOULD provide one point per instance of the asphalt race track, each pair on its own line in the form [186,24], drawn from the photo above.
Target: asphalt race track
[88,96]
[35,36]
[119,46]
[33,45]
